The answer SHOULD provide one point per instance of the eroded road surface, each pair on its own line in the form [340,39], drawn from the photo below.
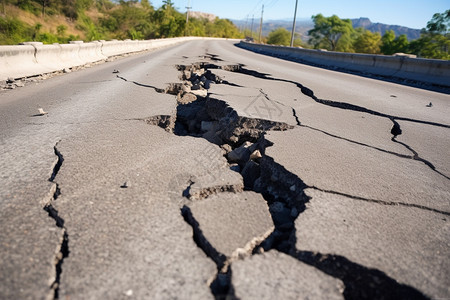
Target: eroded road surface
[206,171]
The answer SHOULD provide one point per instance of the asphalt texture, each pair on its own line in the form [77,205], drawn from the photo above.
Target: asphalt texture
[205,171]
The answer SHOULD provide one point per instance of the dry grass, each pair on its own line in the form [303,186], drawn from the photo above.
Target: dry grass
[94,14]
[49,23]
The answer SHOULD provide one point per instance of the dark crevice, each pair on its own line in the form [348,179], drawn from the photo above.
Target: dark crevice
[158,90]
[190,73]
[244,142]
[243,139]
[358,143]
[59,259]
[53,213]
[220,286]
[186,192]
[418,158]
[395,130]
[360,282]
[348,140]
[341,105]
[382,202]
[58,164]
[294,113]
[213,57]
[201,241]
[63,251]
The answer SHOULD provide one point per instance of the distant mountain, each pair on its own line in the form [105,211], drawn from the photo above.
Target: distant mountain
[304,25]
[410,33]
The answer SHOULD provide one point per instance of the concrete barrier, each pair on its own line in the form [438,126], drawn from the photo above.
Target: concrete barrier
[429,71]
[17,61]
[34,58]
[48,57]
[91,52]
[69,55]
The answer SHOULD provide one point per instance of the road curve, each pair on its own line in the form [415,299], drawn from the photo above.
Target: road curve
[204,171]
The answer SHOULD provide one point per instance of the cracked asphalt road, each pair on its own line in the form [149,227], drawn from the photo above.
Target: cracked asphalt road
[205,171]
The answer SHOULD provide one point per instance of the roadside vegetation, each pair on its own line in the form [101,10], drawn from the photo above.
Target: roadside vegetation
[335,34]
[61,21]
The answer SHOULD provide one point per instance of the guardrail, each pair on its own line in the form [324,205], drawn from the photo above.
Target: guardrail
[429,71]
[34,58]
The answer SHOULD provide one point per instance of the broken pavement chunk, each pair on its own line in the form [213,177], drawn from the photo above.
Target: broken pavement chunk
[187,98]
[239,155]
[199,92]
[229,225]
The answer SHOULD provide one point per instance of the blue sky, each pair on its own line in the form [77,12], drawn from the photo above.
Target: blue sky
[410,13]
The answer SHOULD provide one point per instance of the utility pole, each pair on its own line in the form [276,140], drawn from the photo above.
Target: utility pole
[246,24]
[187,17]
[260,24]
[293,25]
[253,18]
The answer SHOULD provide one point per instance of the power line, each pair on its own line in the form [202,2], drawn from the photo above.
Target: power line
[271,3]
[188,7]
[256,6]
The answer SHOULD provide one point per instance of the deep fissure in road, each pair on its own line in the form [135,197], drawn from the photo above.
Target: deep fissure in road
[243,143]
[63,250]
[242,140]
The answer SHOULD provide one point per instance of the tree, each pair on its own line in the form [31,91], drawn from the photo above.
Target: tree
[146,4]
[168,4]
[280,36]
[171,22]
[45,3]
[431,46]
[434,41]
[223,28]
[368,42]
[391,44]
[331,33]
[440,23]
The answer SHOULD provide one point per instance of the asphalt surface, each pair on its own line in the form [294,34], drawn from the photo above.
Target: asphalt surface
[286,181]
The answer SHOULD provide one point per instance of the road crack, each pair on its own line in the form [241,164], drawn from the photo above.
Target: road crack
[244,143]
[395,130]
[416,156]
[62,251]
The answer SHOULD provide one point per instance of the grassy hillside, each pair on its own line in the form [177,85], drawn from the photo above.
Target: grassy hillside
[61,21]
